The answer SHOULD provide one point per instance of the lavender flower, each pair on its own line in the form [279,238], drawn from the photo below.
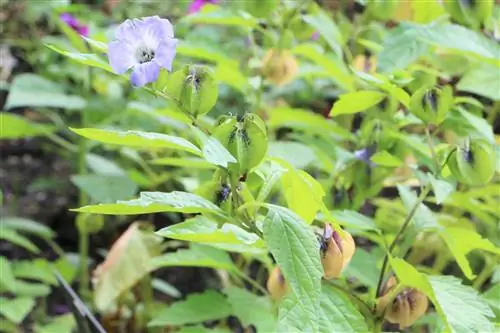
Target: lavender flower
[197,5]
[145,45]
[74,24]
[365,155]
[315,36]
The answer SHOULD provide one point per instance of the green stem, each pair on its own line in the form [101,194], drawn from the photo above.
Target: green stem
[484,275]
[147,299]
[431,147]
[252,282]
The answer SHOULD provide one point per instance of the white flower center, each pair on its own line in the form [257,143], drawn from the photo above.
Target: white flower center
[144,54]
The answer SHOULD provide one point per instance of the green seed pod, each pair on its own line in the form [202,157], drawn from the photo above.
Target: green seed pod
[194,87]
[432,105]
[469,12]
[89,223]
[473,164]
[245,138]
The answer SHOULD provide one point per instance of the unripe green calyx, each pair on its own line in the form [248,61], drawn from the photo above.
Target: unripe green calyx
[245,138]
[432,104]
[471,13]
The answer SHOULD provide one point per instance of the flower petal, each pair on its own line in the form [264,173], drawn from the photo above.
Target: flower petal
[158,27]
[165,53]
[145,73]
[130,31]
[121,56]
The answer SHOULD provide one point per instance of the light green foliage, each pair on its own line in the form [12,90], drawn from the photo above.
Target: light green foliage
[13,127]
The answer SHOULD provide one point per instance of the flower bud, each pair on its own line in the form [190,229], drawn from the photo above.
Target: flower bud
[336,251]
[468,12]
[276,284]
[405,308]
[279,67]
[431,105]
[473,164]
[245,138]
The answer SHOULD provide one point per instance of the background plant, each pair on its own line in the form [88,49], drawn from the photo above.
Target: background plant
[378,118]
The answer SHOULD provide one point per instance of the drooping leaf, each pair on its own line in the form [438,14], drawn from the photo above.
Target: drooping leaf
[105,188]
[338,314]
[423,217]
[295,249]
[197,256]
[14,127]
[356,102]
[479,124]
[155,202]
[7,279]
[16,309]
[12,236]
[88,59]
[143,140]
[251,309]
[25,225]
[128,261]
[197,308]
[165,288]
[461,241]
[32,90]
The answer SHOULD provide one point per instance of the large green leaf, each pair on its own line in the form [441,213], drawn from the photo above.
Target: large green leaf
[461,241]
[384,158]
[354,220]
[292,318]
[88,59]
[297,154]
[38,270]
[423,217]
[252,309]
[442,189]
[296,251]
[363,267]
[61,324]
[338,314]
[197,308]
[105,188]
[482,80]
[197,256]
[13,127]
[128,261]
[155,202]
[463,308]
[144,140]
[35,91]
[213,151]
[479,124]
[16,309]
[327,29]
[356,102]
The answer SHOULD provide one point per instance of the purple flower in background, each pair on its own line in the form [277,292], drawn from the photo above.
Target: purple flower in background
[145,45]
[74,24]
[197,5]
[365,155]
[315,36]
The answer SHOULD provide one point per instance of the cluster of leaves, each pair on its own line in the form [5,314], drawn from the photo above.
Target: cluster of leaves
[411,104]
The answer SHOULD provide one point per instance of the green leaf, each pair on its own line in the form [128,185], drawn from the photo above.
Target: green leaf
[296,251]
[7,280]
[251,309]
[38,270]
[463,309]
[213,151]
[401,48]
[35,91]
[211,14]
[289,150]
[16,309]
[87,59]
[363,267]
[479,124]
[426,12]
[165,288]
[144,140]
[322,22]
[203,329]
[459,38]
[60,324]
[103,166]
[355,220]
[14,237]
[105,189]
[128,261]
[491,297]
[26,289]
[155,202]
[188,162]
[74,37]
[461,241]
[200,229]
[356,102]
[333,68]
[26,225]
[424,218]
[384,158]
[197,308]
[482,80]
[442,188]
[14,127]
[338,314]
[197,256]
[410,277]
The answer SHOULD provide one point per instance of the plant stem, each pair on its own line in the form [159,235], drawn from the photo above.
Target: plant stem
[147,299]
[485,273]
[252,282]
[432,149]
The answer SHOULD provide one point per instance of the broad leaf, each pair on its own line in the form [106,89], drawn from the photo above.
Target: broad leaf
[12,236]
[35,91]
[188,162]
[155,202]
[423,217]
[197,308]
[87,59]
[296,251]
[354,220]
[482,127]
[197,256]
[26,226]
[144,140]
[442,188]
[356,102]
[289,150]
[213,151]
[7,280]
[14,127]
[251,309]
[292,318]
[321,22]
[482,80]
[16,309]
[61,324]
[128,261]
[338,314]
[363,267]
[211,14]
[38,270]
[384,158]
[461,241]
[105,188]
